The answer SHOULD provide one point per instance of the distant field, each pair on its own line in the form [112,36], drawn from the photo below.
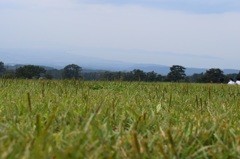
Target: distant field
[75,119]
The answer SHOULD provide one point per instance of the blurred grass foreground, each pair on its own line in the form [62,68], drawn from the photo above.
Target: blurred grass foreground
[77,119]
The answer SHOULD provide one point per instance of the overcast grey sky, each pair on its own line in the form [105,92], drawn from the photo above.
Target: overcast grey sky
[192,33]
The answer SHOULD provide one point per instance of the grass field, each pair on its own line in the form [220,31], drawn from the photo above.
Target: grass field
[75,119]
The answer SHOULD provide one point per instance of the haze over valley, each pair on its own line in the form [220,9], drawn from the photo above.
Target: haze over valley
[194,34]
[58,59]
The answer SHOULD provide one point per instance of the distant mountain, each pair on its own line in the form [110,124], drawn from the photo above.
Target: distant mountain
[230,71]
[59,59]
[15,66]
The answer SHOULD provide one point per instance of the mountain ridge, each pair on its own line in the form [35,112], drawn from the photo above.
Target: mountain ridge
[160,69]
[59,59]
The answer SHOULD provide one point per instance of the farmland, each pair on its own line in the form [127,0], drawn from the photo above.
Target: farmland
[80,119]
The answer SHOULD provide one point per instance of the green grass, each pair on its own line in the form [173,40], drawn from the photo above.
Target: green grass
[76,119]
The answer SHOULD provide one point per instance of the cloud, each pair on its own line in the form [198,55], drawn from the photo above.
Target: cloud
[73,25]
[36,4]
[193,6]
[128,27]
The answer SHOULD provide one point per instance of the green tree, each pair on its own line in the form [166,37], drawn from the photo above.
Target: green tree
[109,76]
[151,76]
[213,75]
[138,75]
[72,71]
[9,74]
[238,75]
[128,76]
[2,68]
[53,74]
[177,73]
[196,77]
[29,71]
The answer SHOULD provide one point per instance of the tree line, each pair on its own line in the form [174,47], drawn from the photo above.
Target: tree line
[73,71]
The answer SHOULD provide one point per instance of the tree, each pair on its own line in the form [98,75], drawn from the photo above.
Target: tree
[238,75]
[53,74]
[196,77]
[151,76]
[29,71]
[177,73]
[72,71]
[213,75]
[138,75]
[2,68]
[9,74]
[109,76]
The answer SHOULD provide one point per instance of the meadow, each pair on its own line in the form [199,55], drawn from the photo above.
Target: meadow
[83,119]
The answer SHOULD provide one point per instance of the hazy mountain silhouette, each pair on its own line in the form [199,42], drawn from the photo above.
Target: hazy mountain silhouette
[59,59]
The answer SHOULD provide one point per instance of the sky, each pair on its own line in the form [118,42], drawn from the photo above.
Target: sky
[191,33]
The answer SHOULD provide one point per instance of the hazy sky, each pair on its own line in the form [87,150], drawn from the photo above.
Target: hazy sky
[192,33]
